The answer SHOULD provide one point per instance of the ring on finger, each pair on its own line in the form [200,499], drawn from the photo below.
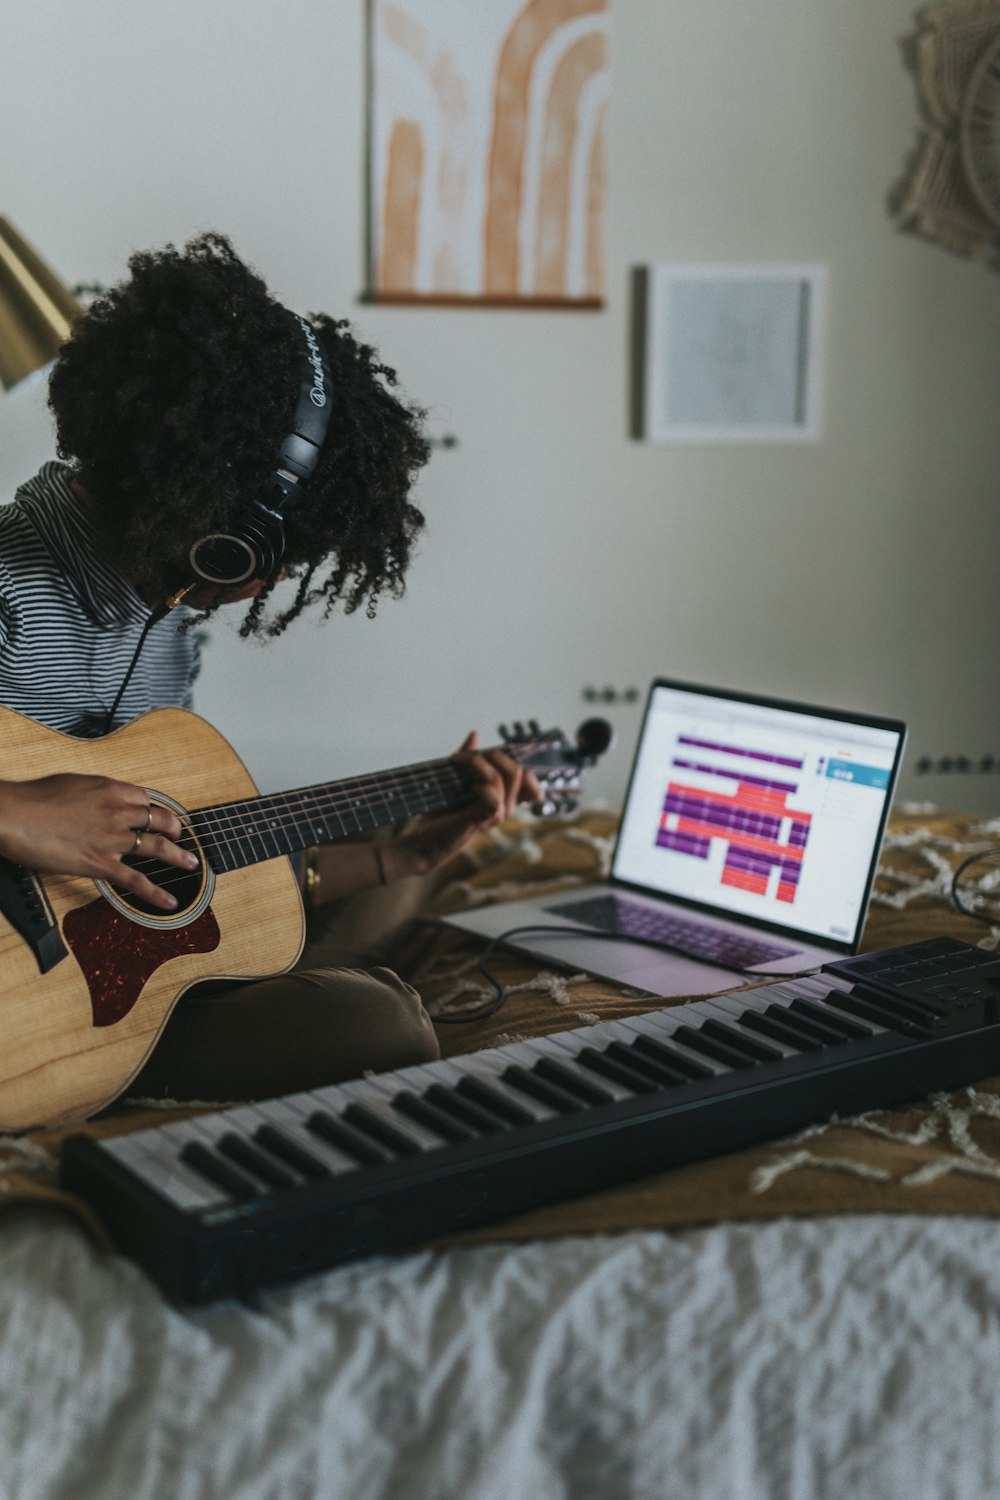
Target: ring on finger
[149,819]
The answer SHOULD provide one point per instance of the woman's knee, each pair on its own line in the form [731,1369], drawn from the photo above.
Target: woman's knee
[381,1018]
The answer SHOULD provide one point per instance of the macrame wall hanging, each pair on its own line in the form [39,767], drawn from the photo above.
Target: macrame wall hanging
[952,193]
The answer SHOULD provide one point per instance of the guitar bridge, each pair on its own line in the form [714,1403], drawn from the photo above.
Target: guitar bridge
[25,905]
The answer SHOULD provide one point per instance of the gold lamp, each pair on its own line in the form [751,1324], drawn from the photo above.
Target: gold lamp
[36,310]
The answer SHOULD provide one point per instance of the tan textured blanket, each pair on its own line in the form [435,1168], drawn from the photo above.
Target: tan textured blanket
[940,1156]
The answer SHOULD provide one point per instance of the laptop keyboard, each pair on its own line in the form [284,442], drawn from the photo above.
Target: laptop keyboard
[633,919]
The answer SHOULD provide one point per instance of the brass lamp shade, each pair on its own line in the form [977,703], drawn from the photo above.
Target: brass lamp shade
[36,310]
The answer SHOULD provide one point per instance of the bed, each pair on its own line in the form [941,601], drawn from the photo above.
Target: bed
[818,1316]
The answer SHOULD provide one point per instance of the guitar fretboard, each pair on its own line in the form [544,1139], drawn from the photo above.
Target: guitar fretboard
[237,834]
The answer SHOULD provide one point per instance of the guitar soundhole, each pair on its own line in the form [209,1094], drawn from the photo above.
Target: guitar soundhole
[186,885]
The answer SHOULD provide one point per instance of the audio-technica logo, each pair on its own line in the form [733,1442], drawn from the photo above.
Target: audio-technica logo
[318,393]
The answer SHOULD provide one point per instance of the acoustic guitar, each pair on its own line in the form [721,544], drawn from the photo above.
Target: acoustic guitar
[89,974]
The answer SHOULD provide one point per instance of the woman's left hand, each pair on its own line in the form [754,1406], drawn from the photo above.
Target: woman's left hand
[499,783]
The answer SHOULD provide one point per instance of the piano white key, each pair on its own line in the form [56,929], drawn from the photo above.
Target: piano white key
[154,1161]
[241,1120]
[757,1000]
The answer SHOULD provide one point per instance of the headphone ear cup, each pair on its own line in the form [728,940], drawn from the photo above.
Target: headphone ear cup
[253,549]
[265,533]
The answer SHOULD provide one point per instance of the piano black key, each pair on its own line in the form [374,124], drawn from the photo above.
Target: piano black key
[866,1010]
[827,1021]
[370,1123]
[910,1008]
[691,1037]
[678,1062]
[218,1171]
[482,1120]
[245,1154]
[659,1072]
[755,1050]
[550,1094]
[281,1145]
[360,1148]
[768,1023]
[492,1098]
[900,1011]
[619,1072]
[556,1072]
[427,1114]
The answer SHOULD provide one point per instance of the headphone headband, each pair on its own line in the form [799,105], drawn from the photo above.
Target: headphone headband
[256,544]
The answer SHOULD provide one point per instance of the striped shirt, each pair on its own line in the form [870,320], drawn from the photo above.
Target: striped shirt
[69,621]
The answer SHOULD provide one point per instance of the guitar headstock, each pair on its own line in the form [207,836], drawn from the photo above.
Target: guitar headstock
[556,762]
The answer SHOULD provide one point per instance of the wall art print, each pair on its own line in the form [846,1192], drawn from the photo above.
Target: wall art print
[487,151]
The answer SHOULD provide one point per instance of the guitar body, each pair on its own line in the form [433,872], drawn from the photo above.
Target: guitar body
[75,1036]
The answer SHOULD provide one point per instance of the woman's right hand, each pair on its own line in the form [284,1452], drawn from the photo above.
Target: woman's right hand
[87,825]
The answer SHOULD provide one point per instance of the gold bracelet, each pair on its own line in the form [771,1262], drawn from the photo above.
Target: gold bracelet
[312,879]
[383,878]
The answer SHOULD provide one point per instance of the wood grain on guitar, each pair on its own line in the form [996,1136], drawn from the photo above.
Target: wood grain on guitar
[88,976]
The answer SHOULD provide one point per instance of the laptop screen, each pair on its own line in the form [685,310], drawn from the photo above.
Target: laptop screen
[759,809]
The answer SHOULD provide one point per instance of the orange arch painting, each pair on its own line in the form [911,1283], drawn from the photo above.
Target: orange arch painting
[488,152]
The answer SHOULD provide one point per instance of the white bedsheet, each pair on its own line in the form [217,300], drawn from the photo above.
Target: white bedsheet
[850,1358]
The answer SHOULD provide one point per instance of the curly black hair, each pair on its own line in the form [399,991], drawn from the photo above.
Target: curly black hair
[171,400]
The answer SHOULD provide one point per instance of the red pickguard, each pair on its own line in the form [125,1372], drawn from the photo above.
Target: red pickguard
[118,956]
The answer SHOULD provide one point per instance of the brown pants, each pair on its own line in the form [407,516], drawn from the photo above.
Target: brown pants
[337,1014]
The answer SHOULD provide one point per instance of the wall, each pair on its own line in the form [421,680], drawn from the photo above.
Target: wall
[559,551]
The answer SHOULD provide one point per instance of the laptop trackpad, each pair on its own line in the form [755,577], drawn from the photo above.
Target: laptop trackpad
[652,970]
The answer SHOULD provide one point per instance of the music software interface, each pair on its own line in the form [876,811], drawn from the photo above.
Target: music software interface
[762,812]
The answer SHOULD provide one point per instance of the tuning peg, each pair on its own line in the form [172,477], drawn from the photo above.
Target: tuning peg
[519,729]
[593,737]
[505,734]
[534,726]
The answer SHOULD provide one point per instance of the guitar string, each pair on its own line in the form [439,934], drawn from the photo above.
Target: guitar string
[442,777]
[279,816]
[333,799]
[331,796]
[292,826]
[367,784]
[446,778]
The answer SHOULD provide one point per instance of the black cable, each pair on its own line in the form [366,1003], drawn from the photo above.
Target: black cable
[156,615]
[110,716]
[583,932]
[984,854]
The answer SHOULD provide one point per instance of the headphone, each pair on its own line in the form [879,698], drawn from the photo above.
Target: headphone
[254,547]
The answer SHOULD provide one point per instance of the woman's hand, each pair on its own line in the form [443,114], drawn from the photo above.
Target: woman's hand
[499,783]
[87,825]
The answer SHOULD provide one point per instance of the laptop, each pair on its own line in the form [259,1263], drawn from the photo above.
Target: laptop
[748,845]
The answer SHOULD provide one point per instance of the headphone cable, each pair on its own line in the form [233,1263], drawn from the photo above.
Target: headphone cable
[155,616]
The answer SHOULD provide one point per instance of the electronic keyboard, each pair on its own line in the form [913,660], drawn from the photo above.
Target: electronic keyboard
[227,1202]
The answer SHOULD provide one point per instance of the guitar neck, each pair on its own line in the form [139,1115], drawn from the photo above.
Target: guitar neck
[237,834]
